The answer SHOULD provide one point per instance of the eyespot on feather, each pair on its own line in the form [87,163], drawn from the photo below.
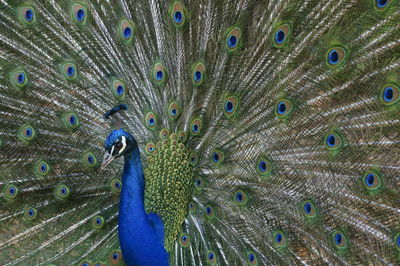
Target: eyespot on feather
[62,192]
[390,94]
[283,108]
[217,157]
[333,141]
[339,240]
[98,222]
[159,74]
[150,148]
[184,240]
[10,191]
[85,263]
[151,120]
[174,110]
[281,35]
[116,185]
[30,213]
[41,169]
[192,207]
[70,120]
[193,158]
[198,183]
[198,74]
[251,258]
[308,209]
[126,31]
[164,133]
[279,239]
[182,136]
[372,180]
[26,133]
[336,56]
[118,89]
[211,257]
[79,13]
[69,70]
[382,5]
[178,14]
[209,212]
[263,166]
[233,38]
[115,257]
[396,241]
[196,126]
[27,15]
[89,159]
[240,197]
[230,106]
[19,78]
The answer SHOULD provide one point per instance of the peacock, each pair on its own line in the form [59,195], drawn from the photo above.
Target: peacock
[199,132]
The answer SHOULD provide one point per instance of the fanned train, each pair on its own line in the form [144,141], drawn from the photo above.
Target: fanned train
[199,132]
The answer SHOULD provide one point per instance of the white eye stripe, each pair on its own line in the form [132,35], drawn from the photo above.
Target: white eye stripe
[112,149]
[123,145]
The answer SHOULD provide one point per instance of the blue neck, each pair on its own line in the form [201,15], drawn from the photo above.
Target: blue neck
[141,235]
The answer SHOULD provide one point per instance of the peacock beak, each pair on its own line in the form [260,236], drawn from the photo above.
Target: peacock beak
[107,159]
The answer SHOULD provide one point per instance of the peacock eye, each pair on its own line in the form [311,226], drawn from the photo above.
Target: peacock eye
[159,74]
[27,14]
[98,222]
[177,13]
[178,17]
[118,145]
[117,148]
[115,257]
[198,74]
[184,240]
[85,263]
[233,39]
[280,239]
[340,240]
[126,30]
[397,241]
[251,258]
[281,35]
[211,257]
[382,4]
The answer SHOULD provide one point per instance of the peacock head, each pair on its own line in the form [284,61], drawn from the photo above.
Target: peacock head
[117,144]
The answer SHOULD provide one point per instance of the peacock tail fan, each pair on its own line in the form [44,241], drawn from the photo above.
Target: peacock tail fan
[269,131]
